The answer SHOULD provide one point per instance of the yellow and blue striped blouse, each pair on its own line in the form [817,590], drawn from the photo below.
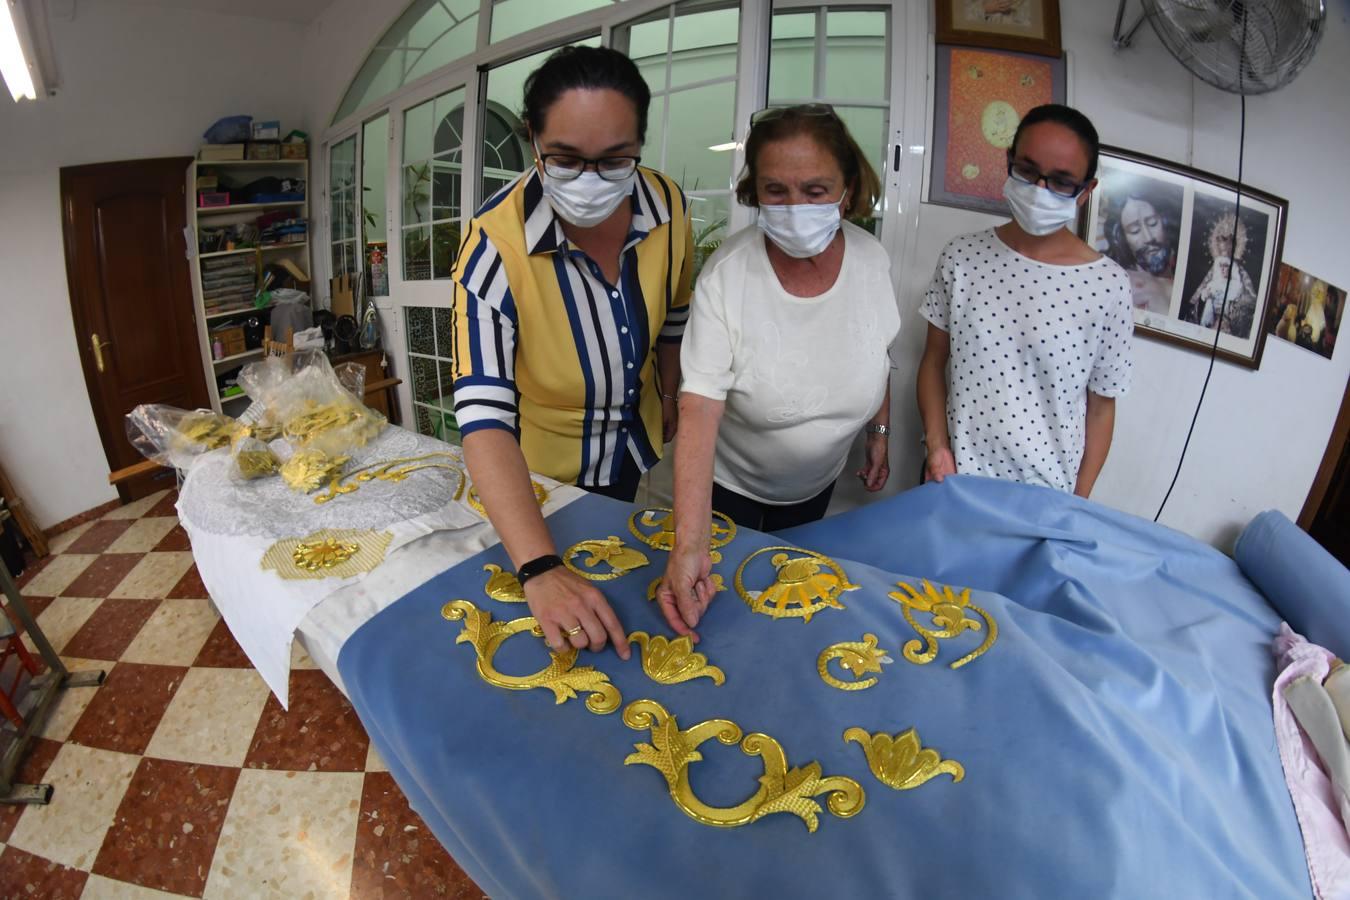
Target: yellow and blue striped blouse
[546,348]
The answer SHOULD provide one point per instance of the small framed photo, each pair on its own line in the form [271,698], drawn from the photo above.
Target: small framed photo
[1174,229]
[979,97]
[1024,26]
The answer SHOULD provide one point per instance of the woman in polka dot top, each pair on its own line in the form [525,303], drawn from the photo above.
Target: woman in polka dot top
[1029,328]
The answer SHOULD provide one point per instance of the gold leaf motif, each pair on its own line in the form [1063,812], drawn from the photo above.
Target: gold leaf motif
[323,554]
[392,470]
[800,588]
[671,662]
[307,469]
[540,497]
[622,559]
[855,657]
[655,527]
[503,586]
[901,762]
[948,610]
[781,789]
[561,676]
[330,553]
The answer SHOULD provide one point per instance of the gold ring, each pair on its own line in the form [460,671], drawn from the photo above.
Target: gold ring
[573,632]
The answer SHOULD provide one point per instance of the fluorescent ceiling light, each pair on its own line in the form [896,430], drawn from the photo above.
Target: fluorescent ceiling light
[13,65]
[729,145]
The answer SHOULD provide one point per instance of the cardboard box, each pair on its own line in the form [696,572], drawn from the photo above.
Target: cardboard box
[295,150]
[266,131]
[221,152]
[263,150]
[212,199]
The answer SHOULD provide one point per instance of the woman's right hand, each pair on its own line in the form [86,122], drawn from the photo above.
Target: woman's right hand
[560,600]
[941,463]
[687,588]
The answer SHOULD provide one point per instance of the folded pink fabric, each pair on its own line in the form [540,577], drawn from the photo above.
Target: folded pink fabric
[1325,840]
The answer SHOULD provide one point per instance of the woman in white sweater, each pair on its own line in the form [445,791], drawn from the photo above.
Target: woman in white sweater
[785,354]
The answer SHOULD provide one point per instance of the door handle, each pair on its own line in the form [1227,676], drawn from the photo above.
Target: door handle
[97,347]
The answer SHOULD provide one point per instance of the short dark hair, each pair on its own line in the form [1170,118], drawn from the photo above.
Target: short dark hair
[830,132]
[1071,119]
[586,68]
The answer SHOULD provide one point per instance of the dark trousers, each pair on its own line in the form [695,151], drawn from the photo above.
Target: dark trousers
[625,488]
[770,517]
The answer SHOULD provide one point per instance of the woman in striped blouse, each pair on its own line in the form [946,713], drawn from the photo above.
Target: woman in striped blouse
[571,291]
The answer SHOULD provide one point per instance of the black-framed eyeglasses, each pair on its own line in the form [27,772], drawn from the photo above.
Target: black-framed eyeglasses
[566,166]
[768,114]
[1055,184]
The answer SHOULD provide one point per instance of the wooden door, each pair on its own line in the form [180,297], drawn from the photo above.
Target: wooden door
[131,296]
[1326,513]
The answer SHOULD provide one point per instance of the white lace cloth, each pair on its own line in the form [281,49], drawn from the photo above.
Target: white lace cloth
[233,523]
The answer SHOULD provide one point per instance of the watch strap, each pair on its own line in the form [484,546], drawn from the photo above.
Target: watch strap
[537,566]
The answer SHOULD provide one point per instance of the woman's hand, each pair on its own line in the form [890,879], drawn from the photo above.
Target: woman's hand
[686,589]
[875,469]
[670,417]
[562,601]
[941,463]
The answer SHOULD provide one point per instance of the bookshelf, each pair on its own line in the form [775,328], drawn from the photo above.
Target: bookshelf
[224,279]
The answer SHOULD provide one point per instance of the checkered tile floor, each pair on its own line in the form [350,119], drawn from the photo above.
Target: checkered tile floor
[182,775]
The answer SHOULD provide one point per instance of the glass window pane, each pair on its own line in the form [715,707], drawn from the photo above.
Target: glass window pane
[704,46]
[417,254]
[418,320]
[709,215]
[429,35]
[424,386]
[419,132]
[445,335]
[792,57]
[444,248]
[374,166]
[868,126]
[648,40]
[701,118]
[855,64]
[654,146]
[424,420]
[417,193]
[515,16]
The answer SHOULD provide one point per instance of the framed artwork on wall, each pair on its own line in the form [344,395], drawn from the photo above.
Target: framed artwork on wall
[1025,26]
[979,97]
[1172,229]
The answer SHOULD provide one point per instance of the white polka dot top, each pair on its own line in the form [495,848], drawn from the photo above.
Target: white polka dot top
[1028,341]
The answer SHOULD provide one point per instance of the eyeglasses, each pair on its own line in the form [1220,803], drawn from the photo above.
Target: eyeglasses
[1055,184]
[770,113]
[565,166]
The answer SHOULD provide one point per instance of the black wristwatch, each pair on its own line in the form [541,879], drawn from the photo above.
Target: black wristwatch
[537,567]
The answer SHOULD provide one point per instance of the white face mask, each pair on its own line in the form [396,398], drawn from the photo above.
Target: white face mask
[801,229]
[588,199]
[1037,210]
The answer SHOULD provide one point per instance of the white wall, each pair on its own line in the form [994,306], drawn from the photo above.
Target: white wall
[1262,433]
[138,81]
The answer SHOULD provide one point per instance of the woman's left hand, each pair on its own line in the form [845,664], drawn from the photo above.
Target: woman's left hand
[670,418]
[875,469]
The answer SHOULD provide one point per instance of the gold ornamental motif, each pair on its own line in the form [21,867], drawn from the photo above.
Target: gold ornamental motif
[901,762]
[622,559]
[561,676]
[392,470]
[800,588]
[655,527]
[855,657]
[540,497]
[307,469]
[331,553]
[948,610]
[672,662]
[718,586]
[781,789]
[502,585]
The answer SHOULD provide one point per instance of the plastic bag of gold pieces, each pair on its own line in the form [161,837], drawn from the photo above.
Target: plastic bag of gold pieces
[253,458]
[305,395]
[175,437]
